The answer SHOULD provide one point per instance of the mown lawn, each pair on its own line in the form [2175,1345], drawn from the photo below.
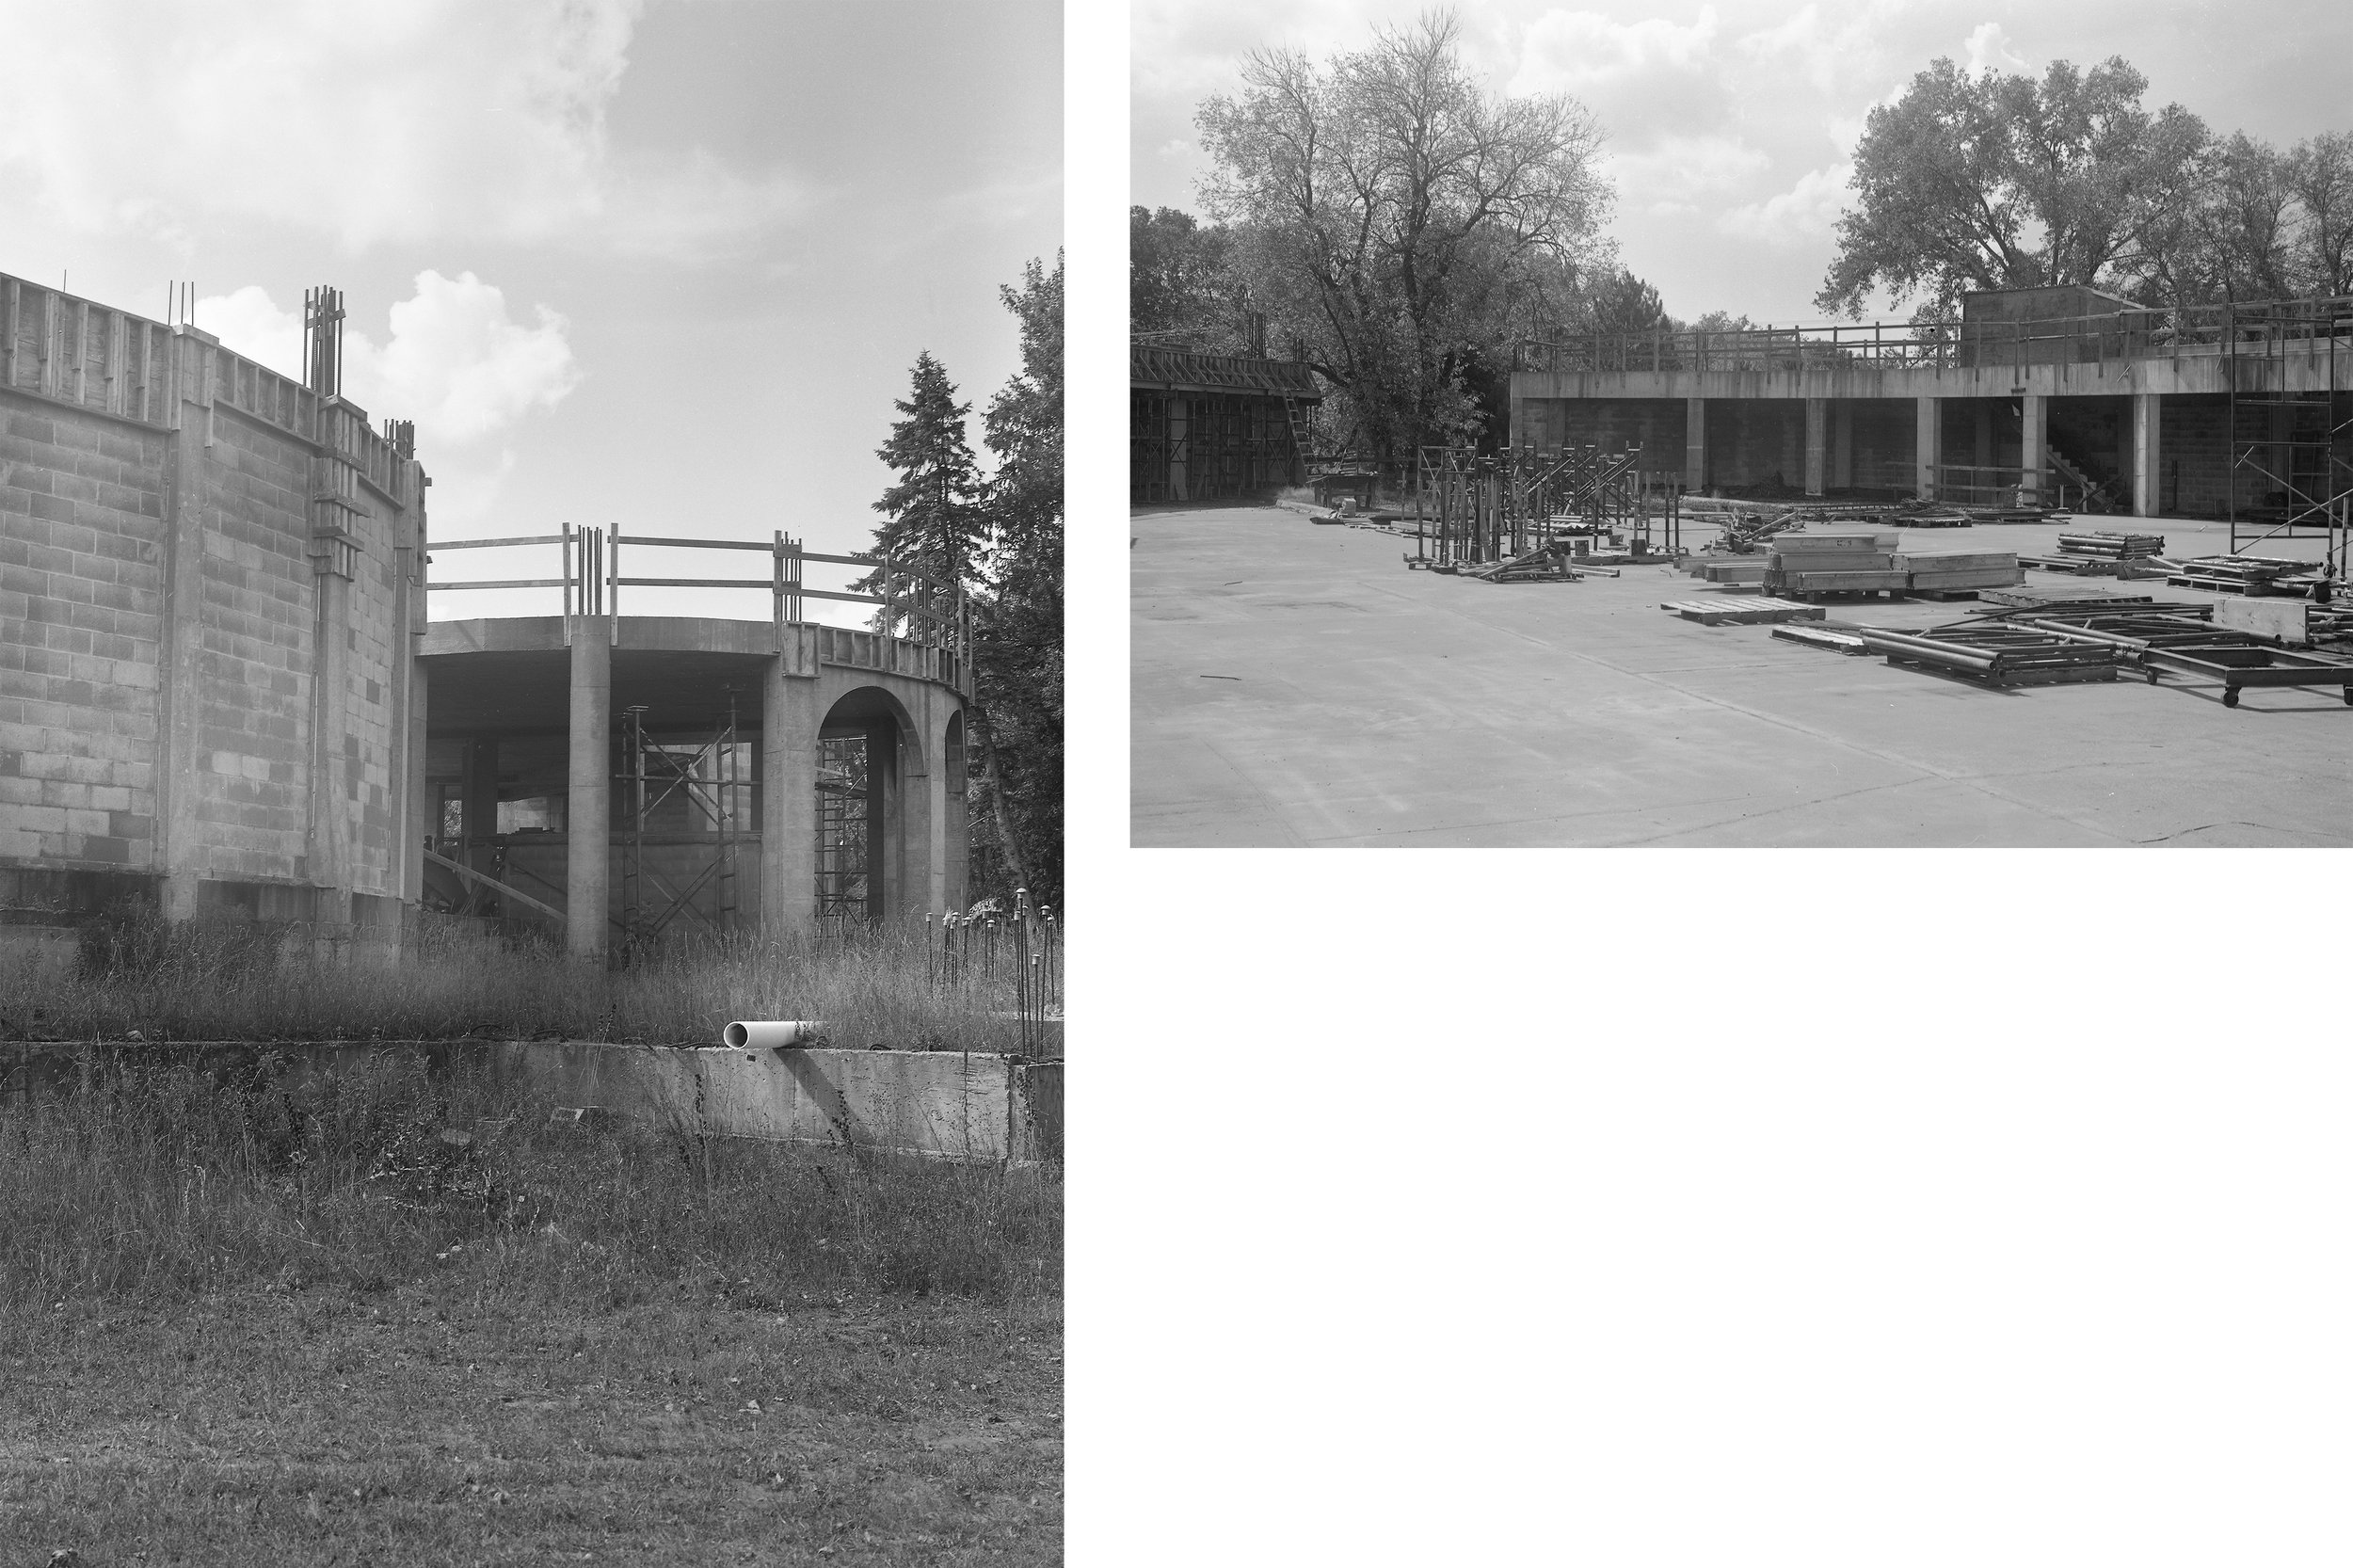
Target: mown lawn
[392,1316]
[429,1424]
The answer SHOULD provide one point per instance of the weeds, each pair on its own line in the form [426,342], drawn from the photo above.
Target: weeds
[153,1184]
[137,977]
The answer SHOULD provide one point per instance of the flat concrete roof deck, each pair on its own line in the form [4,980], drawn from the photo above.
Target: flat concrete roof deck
[1294,684]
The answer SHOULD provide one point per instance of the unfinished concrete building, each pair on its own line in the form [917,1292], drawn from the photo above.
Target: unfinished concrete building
[1214,426]
[220,687]
[2062,395]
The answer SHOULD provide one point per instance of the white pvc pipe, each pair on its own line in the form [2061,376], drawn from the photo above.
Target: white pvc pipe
[772,1036]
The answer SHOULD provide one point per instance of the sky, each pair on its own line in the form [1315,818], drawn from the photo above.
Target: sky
[1732,125]
[659,266]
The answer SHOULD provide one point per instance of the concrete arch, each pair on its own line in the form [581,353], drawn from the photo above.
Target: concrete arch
[875,852]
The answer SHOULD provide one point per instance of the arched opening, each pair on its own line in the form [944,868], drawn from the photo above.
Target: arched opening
[865,747]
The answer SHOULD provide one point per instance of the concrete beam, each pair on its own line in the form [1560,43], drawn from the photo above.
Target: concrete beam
[2146,497]
[1816,443]
[2034,450]
[1695,444]
[589,811]
[1927,443]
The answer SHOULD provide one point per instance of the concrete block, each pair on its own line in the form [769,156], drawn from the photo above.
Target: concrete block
[2284,619]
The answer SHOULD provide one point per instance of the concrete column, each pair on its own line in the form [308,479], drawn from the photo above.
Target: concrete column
[789,721]
[1842,445]
[886,840]
[1816,443]
[417,820]
[178,851]
[330,726]
[956,854]
[1695,444]
[2034,445]
[589,811]
[1927,443]
[481,784]
[919,778]
[2147,496]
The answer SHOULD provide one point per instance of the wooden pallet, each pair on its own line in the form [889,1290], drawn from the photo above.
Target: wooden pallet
[1742,612]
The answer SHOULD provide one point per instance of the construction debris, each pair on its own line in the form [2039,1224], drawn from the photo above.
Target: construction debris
[2247,574]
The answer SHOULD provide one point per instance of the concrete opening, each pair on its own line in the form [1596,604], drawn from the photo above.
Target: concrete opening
[868,756]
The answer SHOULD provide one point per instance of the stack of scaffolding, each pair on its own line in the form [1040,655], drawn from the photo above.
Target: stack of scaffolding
[2106,544]
[2246,574]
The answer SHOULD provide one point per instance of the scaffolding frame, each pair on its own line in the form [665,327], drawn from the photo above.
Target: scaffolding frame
[708,779]
[2317,452]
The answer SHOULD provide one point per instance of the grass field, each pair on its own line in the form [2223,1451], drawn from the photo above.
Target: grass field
[229,982]
[384,1317]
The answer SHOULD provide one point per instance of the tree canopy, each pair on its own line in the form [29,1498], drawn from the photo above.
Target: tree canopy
[933,524]
[1987,180]
[1180,279]
[1995,182]
[1400,224]
[1016,715]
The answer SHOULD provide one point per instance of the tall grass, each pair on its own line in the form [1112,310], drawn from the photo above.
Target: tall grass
[153,1183]
[198,982]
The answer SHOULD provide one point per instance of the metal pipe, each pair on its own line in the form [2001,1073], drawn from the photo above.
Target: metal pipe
[1952,653]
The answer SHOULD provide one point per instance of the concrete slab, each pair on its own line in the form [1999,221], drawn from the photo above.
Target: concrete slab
[1298,685]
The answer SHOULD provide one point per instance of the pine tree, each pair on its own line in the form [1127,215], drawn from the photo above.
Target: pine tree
[1017,717]
[935,522]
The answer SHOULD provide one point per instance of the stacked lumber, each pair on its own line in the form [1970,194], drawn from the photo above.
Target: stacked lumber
[1834,560]
[1736,572]
[1935,572]
[1740,612]
[2244,574]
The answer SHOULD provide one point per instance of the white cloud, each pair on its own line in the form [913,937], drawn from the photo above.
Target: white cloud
[1681,167]
[371,123]
[1990,49]
[1577,51]
[453,361]
[1802,214]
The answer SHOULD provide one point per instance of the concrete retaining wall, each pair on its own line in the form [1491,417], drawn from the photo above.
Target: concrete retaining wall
[937,1103]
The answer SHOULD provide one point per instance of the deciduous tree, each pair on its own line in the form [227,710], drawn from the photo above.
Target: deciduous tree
[1398,222]
[1993,181]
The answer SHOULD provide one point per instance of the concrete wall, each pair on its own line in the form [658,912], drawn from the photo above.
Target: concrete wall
[81,608]
[936,1103]
[160,594]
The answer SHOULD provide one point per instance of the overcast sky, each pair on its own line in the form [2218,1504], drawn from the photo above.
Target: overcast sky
[1731,124]
[658,265]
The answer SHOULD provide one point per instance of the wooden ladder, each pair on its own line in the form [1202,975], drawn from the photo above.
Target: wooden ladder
[1301,431]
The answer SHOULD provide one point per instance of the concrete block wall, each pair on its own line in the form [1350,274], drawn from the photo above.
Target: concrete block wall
[253,686]
[126,447]
[81,604]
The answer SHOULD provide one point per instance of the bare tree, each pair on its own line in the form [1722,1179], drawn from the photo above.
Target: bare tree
[1397,222]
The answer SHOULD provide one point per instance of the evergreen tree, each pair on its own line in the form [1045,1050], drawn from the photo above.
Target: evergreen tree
[1017,717]
[935,522]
